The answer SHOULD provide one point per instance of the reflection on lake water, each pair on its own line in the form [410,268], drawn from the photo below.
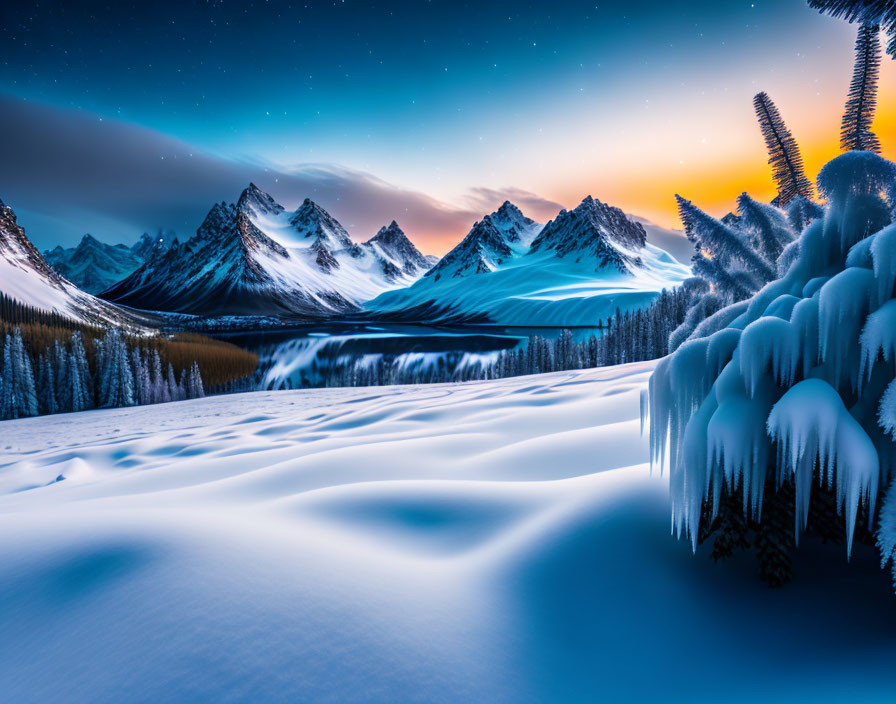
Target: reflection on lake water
[329,355]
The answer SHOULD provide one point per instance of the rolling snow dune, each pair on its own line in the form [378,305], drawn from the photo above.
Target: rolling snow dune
[490,541]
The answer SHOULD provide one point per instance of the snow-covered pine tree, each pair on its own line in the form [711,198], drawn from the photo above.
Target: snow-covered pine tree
[116,376]
[795,387]
[26,375]
[875,12]
[769,227]
[142,389]
[60,370]
[6,380]
[79,398]
[173,389]
[719,242]
[46,384]
[160,392]
[82,392]
[783,151]
[734,257]
[855,131]
[194,383]
[19,392]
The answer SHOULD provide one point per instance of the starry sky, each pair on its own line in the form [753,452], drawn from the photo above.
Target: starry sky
[123,117]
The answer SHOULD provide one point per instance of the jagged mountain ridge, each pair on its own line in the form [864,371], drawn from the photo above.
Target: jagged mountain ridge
[149,246]
[597,230]
[254,257]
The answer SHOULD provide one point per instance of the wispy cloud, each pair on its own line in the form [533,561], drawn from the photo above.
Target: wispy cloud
[68,172]
[486,200]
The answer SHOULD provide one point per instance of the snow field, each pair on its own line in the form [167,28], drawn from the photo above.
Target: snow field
[494,541]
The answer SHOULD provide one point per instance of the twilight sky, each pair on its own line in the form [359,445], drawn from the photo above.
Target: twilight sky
[122,117]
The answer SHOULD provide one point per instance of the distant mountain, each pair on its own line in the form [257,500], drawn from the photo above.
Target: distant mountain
[93,266]
[148,246]
[494,240]
[398,254]
[26,277]
[255,257]
[575,271]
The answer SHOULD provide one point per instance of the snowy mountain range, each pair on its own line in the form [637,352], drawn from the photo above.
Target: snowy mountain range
[575,271]
[255,257]
[26,277]
[94,266]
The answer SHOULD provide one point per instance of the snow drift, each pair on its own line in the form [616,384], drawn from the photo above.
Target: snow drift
[493,541]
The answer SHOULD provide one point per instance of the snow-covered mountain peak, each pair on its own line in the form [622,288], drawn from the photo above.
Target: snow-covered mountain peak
[229,236]
[513,225]
[256,202]
[93,266]
[88,240]
[394,247]
[219,226]
[597,230]
[389,235]
[315,223]
[494,240]
[17,249]
[583,266]
[91,250]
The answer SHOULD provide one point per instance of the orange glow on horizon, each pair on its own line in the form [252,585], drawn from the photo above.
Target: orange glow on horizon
[670,155]
[715,187]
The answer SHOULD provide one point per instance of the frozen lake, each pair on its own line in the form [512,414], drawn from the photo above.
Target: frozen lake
[314,356]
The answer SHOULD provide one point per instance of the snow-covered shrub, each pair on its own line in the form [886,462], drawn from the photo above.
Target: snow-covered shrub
[793,389]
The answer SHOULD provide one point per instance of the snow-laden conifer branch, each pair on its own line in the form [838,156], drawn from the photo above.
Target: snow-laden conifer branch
[720,242]
[769,226]
[784,153]
[855,131]
[879,12]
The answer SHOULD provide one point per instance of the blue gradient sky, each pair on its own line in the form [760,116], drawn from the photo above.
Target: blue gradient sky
[628,101]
